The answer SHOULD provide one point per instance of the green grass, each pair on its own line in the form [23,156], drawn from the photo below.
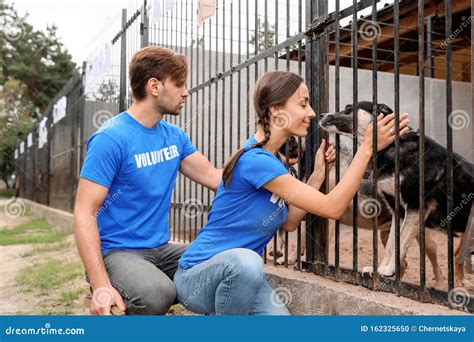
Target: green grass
[68,297]
[48,276]
[47,248]
[31,232]
[6,193]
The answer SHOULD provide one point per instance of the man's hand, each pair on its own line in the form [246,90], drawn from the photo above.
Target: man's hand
[103,298]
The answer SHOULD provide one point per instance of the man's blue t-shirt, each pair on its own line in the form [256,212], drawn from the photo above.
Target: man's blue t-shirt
[245,214]
[139,165]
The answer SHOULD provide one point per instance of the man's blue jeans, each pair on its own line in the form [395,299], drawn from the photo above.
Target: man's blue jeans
[230,283]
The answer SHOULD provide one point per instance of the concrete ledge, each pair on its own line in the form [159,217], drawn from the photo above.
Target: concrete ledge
[61,219]
[305,293]
[310,294]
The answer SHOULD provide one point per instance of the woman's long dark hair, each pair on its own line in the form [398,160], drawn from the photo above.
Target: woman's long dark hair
[273,88]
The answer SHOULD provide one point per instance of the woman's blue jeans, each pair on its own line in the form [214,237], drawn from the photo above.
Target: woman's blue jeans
[230,283]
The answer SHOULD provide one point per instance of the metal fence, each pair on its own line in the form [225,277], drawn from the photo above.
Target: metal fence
[227,54]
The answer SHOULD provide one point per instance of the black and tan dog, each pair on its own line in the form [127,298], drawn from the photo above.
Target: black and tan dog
[435,199]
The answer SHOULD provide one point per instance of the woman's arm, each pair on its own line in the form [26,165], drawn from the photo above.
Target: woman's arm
[325,158]
[295,214]
[335,203]
[307,198]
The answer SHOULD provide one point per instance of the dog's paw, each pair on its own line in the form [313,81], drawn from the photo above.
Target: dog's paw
[281,260]
[386,271]
[368,269]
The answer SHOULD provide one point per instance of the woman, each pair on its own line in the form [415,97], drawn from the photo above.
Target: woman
[222,270]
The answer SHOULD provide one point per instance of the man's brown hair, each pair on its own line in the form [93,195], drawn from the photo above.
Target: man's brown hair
[156,62]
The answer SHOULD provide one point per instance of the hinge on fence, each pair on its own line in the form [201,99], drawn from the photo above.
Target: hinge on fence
[318,26]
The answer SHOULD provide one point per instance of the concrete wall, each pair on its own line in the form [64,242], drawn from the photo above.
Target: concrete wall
[435,102]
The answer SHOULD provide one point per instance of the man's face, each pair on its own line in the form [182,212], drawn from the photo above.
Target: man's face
[171,98]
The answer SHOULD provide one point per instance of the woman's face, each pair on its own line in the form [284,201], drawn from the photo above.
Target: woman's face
[296,114]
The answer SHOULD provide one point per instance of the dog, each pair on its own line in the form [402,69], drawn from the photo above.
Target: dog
[435,204]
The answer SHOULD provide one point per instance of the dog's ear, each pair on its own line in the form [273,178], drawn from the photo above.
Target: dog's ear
[384,109]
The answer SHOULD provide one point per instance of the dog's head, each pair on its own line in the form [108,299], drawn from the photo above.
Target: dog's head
[342,122]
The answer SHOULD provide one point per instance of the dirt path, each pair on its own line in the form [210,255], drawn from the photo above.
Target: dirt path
[57,287]
[40,270]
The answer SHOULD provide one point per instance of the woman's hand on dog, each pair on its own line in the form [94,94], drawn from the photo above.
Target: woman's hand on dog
[384,136]
[324,155]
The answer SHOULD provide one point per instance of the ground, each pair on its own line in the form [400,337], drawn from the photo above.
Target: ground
[412,274]
[40,269]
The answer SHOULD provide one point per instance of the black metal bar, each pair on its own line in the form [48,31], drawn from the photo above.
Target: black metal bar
[408,290]
[223,154]
[144,26]
[337,77]
[276,33]
[239,77]
[253,60]
[287,34]
[429,45]
[186,121]
[355,205]
[309,48]
[396,76]
[375,244]
[123,64]
[421,147]
[197,113]
[265,32]
[126,25]
[231,81]
[247,30]
[209,111]
[449,140]
[300,164]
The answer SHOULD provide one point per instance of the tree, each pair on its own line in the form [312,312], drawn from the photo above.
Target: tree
[34,66]
[262,44]
[38,59]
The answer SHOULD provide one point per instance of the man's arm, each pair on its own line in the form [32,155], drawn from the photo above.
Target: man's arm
[90,197]
[199,169]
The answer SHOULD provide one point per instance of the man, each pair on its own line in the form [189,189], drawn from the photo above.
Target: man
[121,213]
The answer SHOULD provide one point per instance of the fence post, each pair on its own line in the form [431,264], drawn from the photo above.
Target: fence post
[317,79]
[144,25]
[123,63]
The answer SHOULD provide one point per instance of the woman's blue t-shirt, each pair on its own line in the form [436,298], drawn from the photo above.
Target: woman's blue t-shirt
[244,214]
